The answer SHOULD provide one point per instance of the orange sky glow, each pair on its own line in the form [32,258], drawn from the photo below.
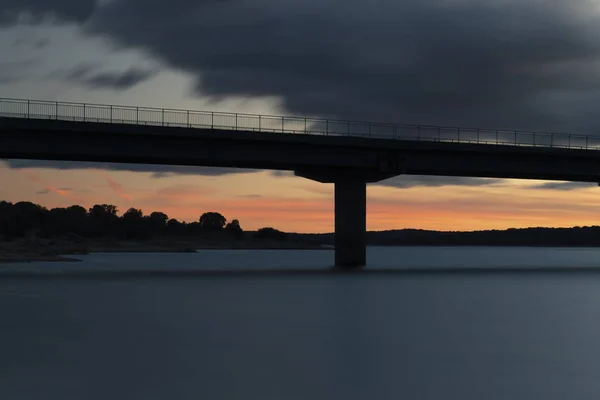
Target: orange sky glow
[296,204]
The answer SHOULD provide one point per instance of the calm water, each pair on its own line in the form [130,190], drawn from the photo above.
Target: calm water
[390,335]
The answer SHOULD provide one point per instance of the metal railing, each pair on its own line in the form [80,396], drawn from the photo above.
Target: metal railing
[68,111]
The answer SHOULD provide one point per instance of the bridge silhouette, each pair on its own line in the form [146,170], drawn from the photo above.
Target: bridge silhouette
[349,154]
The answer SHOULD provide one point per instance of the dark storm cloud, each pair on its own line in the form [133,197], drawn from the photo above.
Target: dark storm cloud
[408,181]
[11,11]
[563,185]
[165,171]
[13,71]
[471,62]
[118,80]
[158,171]
[281,174]
[90,75]
[526,64]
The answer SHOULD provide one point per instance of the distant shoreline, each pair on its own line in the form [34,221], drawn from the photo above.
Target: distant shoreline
[44,250]
[48,255]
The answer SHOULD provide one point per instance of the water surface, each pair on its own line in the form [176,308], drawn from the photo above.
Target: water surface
[533,335]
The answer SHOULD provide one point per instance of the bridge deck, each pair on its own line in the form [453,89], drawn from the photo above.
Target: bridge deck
[68,111]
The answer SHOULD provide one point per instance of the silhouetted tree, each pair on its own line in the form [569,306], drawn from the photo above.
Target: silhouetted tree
[103,220]
[133,214]
[270,233]
[5,218]
[103,211]
[157,222]
[76,220]
[159,219]
[24,217]
[175,228]
[134,226]
[235,230]
[212,221]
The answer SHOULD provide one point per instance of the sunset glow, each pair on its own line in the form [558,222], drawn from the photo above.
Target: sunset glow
[296,204]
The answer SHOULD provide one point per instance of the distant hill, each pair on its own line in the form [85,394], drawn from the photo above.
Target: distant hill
[576,236]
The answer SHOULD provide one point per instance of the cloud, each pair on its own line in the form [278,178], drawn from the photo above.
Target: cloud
[175,198]
[528,64]
[90,76]
[563,185]
[117,188]
[158,171]
[408,181]
[113,80]
[281,174]
[13,71]
[35,11]
[30,176]
[525,63]
[166,171]
[60,192]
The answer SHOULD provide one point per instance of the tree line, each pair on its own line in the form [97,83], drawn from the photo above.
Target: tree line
[576,236]
[103,220]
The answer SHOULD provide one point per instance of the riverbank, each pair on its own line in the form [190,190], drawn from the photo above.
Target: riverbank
[39,249]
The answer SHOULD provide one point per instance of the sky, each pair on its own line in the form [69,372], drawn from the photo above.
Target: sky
[506,64]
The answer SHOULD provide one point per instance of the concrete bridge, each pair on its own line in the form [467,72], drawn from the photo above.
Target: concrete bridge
[348,154]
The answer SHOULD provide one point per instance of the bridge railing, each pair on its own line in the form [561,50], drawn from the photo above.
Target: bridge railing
[37,109]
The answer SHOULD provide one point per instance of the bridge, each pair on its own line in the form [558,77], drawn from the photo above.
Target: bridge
[348,154]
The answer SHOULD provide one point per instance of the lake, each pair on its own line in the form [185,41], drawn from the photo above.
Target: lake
[476,334]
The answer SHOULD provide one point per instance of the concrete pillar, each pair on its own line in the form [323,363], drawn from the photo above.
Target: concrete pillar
[350,222]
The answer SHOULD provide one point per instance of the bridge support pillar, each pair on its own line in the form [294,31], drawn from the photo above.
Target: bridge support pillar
[350,209]
[350,223]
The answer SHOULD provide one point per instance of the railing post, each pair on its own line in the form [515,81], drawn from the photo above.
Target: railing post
[326,127]
[348,127]
[137,115]
[418,132]
[394,131]
[188,118]
[111,114]
[162,116]
[236,121]
[496,136]
[56,111]
[515,138]
[212,120]
[534,139]
[586,142]
[83,112]
[282,119]
[369,129]
[458,131]
[439,133]
[259,123]
[305,126]
[477,135]
[569,140]
[28,104]
[552,140]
